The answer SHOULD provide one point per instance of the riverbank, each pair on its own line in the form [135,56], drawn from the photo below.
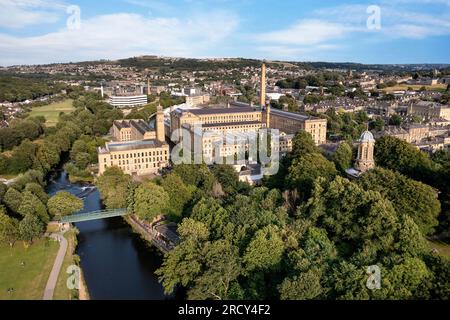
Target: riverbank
[62,292]
[138,229]
[156,238]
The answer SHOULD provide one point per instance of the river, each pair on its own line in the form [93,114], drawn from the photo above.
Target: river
[117,263]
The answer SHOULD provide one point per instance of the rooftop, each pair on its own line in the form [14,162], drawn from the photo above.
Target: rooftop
[367,136]
[130,145]
[207,111]
[213,125]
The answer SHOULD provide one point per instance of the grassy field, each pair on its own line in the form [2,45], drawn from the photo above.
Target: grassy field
[28,279]
[442,247]
[52,111]
[404,87]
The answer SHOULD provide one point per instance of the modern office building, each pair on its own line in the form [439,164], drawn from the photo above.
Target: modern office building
[128,101]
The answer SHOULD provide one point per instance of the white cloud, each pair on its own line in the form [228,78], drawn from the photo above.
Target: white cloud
[398,19]
[22,13]
[431,2]
[305,32]
[152,5]
[303,38]
[121,35]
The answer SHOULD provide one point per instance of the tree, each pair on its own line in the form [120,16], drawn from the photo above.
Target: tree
[64,203]
[438,285]
[38,191]
[30,228]
[377,125]
[306,169]
[82,160]
[183,264]
[305,286]
[23,157]
[31,205]
[211,214]
[303,144]
[265,250]
[398,155]
[3,189]
[9,232]
[395,120]
[410,197]
[342,158]
[174,185]
[48,155]
[222,267]
[348,282]
[402,280]
[227,177]
[150,200]
[113,187]
[12,199]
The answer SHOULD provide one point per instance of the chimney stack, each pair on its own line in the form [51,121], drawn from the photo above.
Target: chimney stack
[262,100]
[148,86]
[160,135]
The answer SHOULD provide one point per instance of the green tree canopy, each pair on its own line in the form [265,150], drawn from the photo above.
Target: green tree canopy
[64,203]
[410,197]
[342,158]
[113,185]
[30,228]
[150,200]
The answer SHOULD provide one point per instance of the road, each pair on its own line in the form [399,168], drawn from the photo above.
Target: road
[51,283]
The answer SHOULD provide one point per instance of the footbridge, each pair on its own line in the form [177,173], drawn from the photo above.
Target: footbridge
[94,215]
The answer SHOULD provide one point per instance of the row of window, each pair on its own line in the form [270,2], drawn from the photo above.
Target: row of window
[154,159]
[136,167]
[239,117]
[138,155]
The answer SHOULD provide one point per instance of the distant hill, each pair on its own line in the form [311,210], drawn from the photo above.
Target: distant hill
[170,64]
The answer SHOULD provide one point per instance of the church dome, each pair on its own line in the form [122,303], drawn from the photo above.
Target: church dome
[367,136]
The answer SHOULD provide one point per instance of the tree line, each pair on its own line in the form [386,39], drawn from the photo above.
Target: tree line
[18,89]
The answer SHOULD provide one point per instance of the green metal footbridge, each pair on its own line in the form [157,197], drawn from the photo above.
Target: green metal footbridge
[94,215]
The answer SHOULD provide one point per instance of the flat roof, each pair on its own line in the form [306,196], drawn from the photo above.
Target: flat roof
[133,145]
[295,116]
[139,124]
[207,111]
[212,125]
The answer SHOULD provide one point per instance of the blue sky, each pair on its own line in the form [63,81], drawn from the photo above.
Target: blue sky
[383,31]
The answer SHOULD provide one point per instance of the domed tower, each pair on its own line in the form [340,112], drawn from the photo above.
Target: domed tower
[365,160]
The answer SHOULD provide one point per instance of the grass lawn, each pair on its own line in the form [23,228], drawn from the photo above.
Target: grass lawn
[52,111]
[404,87]
[442,247]
[61,290]
[29,280]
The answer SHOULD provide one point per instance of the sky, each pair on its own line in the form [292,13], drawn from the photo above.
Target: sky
[383,31]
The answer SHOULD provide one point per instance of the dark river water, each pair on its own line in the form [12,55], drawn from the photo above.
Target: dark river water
[117,263]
